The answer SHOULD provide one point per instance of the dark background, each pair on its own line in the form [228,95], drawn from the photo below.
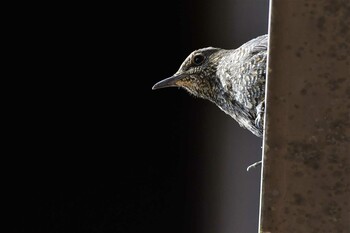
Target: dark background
[93,149]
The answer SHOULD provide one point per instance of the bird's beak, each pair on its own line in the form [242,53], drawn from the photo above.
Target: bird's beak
[173,81]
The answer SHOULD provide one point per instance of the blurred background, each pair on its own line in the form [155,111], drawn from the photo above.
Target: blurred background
[96,150]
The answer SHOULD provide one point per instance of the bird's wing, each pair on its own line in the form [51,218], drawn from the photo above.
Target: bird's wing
[248,75]
[257,45]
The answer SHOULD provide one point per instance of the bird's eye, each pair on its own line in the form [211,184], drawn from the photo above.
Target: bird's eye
[198,59]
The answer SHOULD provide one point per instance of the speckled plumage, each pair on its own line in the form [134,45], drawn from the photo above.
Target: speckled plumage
[232,79]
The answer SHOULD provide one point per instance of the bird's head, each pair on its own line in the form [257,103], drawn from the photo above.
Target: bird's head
[197,74]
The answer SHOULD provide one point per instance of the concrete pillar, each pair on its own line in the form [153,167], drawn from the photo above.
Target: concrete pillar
[306,161]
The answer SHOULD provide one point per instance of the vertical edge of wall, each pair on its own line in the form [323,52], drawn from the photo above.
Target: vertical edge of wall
[306,160]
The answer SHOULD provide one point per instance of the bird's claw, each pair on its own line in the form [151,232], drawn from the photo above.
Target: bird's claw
[254,165]
[260,110]
[258,120]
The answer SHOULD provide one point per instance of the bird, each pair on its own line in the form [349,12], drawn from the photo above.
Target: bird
[233,79]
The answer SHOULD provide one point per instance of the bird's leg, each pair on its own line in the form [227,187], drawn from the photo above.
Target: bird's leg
[254,165]
[260,109]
